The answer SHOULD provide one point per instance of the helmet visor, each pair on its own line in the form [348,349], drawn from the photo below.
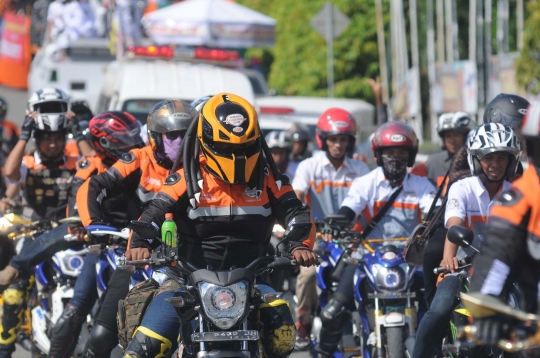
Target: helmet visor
[480,153]
[169,123]
[496,116]
[51,107]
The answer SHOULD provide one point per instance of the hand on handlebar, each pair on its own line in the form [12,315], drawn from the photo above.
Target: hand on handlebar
[450,264]
[78,231]
[140,253]
[304,256]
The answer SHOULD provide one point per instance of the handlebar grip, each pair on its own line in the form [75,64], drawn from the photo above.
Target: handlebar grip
[438,270]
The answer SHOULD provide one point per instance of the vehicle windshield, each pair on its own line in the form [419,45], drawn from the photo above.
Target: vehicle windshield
[139,108]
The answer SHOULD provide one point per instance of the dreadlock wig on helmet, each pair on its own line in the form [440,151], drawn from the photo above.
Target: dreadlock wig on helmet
[228,134]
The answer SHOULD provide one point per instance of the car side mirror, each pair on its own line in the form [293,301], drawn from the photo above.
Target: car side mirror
[460,235]
[143,229]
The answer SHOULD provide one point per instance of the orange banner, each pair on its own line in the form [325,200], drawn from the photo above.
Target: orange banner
[15,51]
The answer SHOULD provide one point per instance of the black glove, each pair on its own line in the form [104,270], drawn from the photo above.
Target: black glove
[27,128]
[490,330]
[76,129]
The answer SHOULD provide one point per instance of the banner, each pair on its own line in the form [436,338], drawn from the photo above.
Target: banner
[15,51]
[456,88]
[14,32]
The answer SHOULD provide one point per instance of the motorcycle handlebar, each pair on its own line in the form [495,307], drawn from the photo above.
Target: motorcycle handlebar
[462,264]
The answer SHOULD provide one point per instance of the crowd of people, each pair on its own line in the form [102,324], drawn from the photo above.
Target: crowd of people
[232,184]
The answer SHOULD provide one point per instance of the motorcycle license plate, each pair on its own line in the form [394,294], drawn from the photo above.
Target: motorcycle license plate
[251,335]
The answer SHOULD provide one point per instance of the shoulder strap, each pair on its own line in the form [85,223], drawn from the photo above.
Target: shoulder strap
[437,196]
[373,223]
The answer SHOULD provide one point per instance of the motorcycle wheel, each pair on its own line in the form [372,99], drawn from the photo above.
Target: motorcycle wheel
[395,339]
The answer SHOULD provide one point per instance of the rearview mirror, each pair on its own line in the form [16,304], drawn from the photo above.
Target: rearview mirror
[337,219]
[460,235]
[143,229]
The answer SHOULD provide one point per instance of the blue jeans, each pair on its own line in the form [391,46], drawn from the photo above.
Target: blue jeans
[85,290]
[42,248]
[435,322]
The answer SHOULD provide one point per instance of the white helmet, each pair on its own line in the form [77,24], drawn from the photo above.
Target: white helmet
[455,121]
[491,138]
[51,105]
[279,139]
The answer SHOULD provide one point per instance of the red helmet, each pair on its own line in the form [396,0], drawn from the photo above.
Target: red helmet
[530,129]
[335,121]
[394,134]
[113,134]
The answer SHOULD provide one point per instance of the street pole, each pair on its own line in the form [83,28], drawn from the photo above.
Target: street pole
[480,53]
[472,30]
[455,31]
[519,12]
[330,50]
[416,65]
[382,51]
[431,70]
[440,32]
[449,35]
[487,47]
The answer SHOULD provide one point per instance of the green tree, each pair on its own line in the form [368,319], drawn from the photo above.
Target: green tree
[527,65]
[297,63]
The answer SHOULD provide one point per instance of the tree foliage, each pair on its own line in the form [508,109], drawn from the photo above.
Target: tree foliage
[296,65]
[527,66]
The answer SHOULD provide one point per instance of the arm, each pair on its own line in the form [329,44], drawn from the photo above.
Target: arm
[300,183]
[169,199]
[105,185]
[287,208]
[449,257]
[455,214]
[493,266]
[12,168]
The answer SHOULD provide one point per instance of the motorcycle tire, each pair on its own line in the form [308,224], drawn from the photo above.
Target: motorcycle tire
[395,342]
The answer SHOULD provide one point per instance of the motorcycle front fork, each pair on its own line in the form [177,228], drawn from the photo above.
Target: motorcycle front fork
[409,319]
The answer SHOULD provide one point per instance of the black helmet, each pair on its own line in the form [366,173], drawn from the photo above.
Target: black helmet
[506,109]
[3,109]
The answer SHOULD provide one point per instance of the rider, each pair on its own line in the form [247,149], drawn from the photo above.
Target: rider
[45,178]
[10,131]
[394,147]
[112,134]
[453,128]
[140,172]
[280,145]
[322,181]
[240,195]
[493,155]
[301,143]
[510,251]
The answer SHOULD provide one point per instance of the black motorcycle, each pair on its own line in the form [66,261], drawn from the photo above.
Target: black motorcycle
[219,310]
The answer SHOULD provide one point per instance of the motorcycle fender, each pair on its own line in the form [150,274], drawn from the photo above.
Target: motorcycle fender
[463,311]
[393,319]
[61,295]
[39,329]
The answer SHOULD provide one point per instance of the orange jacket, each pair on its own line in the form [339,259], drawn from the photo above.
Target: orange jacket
[232,224]
[137,174]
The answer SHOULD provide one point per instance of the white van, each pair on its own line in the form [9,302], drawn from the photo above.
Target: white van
[137,85]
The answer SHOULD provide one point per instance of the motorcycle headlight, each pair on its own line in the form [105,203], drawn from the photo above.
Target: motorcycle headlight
[389,278]
[223,306]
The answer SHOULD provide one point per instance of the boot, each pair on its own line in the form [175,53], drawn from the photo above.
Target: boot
[7,277]
[65,333]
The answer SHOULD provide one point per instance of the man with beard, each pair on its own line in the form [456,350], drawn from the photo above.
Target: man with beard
[395,147]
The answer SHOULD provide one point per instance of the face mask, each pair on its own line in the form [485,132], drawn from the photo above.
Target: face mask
[395,169]
[172,146]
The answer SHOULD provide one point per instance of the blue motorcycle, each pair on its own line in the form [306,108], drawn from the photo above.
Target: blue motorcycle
[386,311]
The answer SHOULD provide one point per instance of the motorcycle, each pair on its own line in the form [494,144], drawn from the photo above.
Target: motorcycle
[55,280]
[218,309]
[383,289]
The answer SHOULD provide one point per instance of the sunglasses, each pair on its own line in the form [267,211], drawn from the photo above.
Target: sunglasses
[174,135]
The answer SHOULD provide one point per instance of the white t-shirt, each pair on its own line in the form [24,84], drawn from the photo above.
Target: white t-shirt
[468,199]
[55,18]
[369,193]
[325,186]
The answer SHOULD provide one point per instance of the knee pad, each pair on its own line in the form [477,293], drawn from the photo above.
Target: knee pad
[334,314]
[12,315]
[279,331]
[147,344]
[65,332]
[100,343]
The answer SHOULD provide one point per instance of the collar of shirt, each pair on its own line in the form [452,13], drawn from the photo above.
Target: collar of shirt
[37,158]
[381,179]
[479,189]
[326,162]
